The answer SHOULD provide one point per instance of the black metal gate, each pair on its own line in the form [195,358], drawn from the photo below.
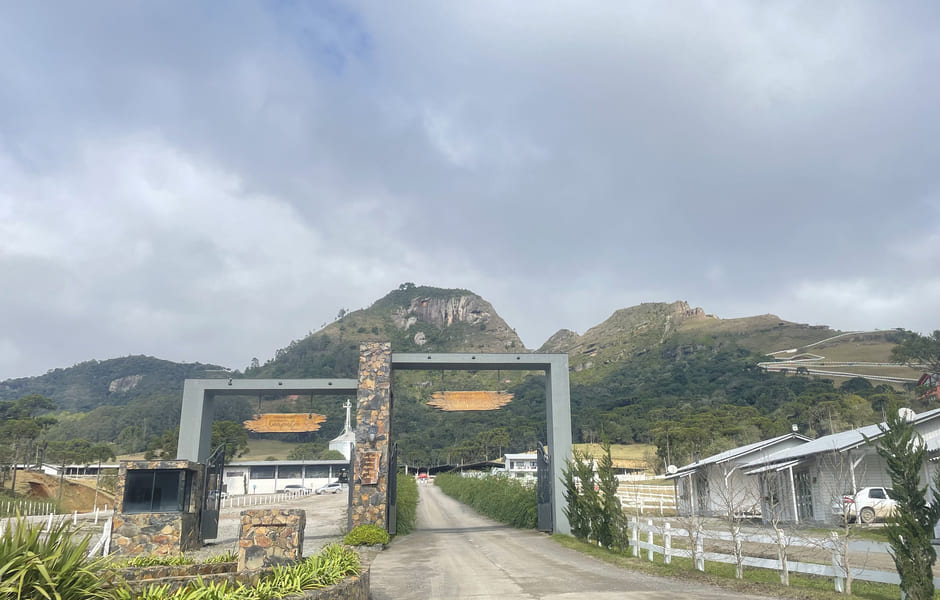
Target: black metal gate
[543,491]
[393,490]
[212,495]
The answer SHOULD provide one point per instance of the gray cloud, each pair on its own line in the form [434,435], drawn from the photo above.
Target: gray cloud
[207,185]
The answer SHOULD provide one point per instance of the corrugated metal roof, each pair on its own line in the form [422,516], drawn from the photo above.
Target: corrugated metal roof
[736,453]
[845,440]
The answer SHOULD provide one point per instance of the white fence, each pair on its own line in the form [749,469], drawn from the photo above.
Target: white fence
[647,499]
[782,564]
[103,545]
[260,499]
[27,508]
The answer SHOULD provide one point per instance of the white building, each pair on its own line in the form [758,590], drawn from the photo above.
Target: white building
[806,483]
[271,476]
[522,465]
[346,441]
[715,484]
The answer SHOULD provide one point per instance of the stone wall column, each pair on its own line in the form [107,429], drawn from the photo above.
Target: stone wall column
[369,479]
[270,537]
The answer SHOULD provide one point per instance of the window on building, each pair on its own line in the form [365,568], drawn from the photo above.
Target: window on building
[289,472]
[318,471]
[156,490]
[263,472]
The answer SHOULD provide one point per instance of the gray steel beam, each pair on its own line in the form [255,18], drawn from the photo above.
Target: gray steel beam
[557,403]
[468,362]
[199,405]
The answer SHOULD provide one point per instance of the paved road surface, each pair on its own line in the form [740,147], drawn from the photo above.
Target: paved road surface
[455,553]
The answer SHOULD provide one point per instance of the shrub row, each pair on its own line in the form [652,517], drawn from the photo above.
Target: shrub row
[501,498]
[407,505]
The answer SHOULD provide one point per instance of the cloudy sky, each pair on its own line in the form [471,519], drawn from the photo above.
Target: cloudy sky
[208,181]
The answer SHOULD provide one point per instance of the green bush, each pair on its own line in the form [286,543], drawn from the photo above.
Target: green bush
[54,564]
[366,535]
[155,560]
[501,498]
[225,557]
[407,505]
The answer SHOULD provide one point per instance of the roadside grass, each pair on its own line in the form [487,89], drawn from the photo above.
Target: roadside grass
[407,506]
[755,581]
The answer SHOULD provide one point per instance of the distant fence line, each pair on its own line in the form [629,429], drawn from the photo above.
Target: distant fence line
[26,508]
[260,499]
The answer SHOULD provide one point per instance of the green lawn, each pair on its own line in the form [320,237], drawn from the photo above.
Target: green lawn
[260,449]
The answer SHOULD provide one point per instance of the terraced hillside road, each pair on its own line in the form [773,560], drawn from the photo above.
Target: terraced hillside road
[456,553]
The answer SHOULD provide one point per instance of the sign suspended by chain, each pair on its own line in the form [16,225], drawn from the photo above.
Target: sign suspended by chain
[455,401]
[285,422]
[469,400]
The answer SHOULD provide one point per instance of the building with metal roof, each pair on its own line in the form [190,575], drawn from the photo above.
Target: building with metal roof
[806,483]
[715,485]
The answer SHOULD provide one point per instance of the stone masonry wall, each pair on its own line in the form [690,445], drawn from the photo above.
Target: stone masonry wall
[269,537]
[157,533]
[154,533]
[369,502]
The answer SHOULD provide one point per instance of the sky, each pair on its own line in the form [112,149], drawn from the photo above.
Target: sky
[207,181]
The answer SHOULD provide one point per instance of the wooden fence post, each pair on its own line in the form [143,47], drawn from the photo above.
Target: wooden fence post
[649,540]
[667,543]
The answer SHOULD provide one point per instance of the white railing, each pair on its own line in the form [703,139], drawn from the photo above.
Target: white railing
[260,499]
[103,545]
[25,508]
[647,498]
[782,564]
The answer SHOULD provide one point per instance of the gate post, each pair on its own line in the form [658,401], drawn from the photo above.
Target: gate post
[368,503]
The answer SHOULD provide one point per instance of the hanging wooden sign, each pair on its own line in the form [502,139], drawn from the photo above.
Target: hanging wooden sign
[285,423]
[469,400]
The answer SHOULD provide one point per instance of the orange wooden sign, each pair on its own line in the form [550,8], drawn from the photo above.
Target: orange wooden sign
[285,423]
[470,400]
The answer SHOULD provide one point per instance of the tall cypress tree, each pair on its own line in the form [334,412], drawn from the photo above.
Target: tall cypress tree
[911,528]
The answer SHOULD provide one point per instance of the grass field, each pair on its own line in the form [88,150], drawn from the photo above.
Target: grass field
[260,449]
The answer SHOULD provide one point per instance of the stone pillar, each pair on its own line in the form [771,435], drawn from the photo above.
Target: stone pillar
[269,537]
[369,478]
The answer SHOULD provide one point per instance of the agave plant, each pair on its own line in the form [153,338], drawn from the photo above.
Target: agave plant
[52,565]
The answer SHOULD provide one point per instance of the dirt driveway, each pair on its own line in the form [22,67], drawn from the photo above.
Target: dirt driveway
[456,553]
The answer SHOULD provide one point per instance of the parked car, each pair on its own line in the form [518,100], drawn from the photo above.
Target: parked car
[294,488]
[213,494]
[867,505]
[331,488]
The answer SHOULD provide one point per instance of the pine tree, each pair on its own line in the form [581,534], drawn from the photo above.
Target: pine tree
[911,527]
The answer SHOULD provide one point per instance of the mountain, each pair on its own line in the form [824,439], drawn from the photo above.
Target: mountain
[117,381]
[661,373]
[412,318]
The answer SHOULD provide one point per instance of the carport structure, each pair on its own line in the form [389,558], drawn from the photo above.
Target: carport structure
[369,485]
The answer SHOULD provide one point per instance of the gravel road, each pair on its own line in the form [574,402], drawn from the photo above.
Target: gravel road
[456,553]
[326,523]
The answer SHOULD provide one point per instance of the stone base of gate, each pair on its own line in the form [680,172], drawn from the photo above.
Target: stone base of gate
[269,537]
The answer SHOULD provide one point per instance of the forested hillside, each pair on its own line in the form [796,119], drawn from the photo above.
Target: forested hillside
[659,373]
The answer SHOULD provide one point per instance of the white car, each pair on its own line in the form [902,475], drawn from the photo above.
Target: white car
[330,488]
[294,489]
[866,505]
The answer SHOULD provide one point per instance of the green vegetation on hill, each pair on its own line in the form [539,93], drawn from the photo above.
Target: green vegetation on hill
[662,374]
